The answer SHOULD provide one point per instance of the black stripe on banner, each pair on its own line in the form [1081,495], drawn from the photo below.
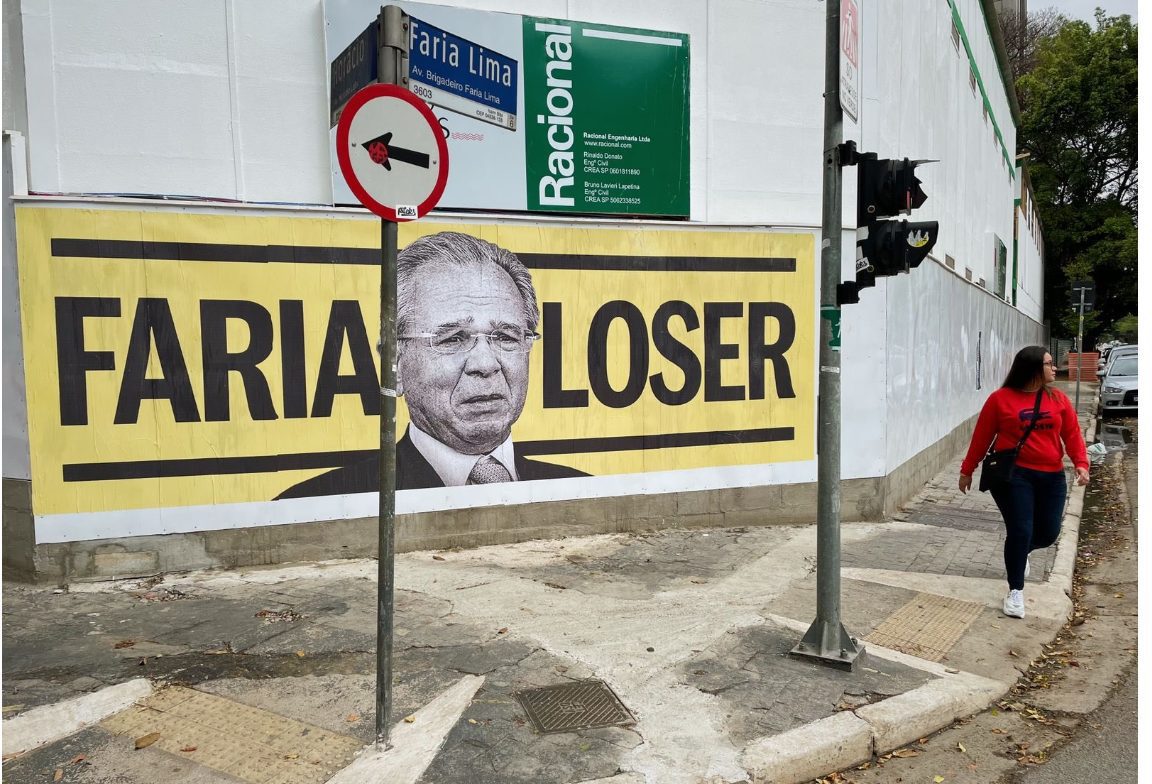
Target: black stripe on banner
[573,261]
[308,254]
[577,446]
[208,251]
[211,466]
[260,464]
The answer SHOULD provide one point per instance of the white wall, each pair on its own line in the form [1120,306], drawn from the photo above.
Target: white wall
[1029,252]
[17,464]
[213,99]
[918,104]
[936,380]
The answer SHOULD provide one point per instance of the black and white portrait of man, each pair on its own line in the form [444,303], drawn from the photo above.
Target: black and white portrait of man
[466,318]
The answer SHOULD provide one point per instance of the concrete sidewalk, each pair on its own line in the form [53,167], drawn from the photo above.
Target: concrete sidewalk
[268,675]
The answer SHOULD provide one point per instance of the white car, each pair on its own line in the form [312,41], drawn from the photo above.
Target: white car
[1118,388]
[1115,354]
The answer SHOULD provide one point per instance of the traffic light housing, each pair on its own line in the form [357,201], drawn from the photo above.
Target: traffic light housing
[886,188]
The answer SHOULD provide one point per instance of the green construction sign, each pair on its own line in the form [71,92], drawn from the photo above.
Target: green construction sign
[605,119]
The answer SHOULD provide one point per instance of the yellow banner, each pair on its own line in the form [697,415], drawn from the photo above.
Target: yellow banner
[177,359]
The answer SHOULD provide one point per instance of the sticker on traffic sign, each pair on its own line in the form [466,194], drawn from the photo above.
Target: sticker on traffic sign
[392,152]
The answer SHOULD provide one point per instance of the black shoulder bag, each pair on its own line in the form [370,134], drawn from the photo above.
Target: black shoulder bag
[997,466]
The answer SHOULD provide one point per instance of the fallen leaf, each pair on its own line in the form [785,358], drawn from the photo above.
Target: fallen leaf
[960,747]
[437,558]
[352,717]
[905,753]
[124,644]
[12,708]
[77,759]
[939,780]
[58,775]
[471,721]
[409,719]
[188,749]
[292,756]
[502,631]
[1013,653]
[301,654]
[145,741]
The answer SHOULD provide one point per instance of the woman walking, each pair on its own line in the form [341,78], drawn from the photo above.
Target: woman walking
[1028,413]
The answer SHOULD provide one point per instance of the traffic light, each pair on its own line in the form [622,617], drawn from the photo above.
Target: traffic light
[884,247]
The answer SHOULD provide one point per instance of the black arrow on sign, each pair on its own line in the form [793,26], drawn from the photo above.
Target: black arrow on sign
[383,153]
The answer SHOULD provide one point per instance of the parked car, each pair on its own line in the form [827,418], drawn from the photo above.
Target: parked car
[1115,354]
[1118,389]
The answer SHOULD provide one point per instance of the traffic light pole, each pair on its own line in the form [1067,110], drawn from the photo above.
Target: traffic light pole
[826,640]
[1079,351]
[392,58]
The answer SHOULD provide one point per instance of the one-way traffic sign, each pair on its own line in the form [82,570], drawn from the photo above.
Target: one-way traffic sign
[392,152]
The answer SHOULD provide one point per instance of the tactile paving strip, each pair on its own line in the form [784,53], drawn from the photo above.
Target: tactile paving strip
[568,707]
[927,626]
[251,744]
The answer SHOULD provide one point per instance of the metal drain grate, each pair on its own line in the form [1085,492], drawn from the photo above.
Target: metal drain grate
[927,627]
[567,707]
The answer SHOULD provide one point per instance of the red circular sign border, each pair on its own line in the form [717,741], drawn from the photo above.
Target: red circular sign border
[355,103]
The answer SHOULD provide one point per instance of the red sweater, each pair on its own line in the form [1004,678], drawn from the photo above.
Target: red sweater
[1007,413]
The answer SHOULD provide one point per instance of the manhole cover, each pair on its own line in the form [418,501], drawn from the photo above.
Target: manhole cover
[581,705]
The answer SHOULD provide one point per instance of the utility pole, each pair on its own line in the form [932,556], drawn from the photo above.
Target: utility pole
[1087,291]
[1079,351]
[826,640]
[393,69]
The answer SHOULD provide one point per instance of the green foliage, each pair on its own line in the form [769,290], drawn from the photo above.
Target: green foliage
[1079,124]
[1125,329]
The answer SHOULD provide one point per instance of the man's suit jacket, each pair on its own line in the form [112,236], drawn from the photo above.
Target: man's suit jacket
[412,471]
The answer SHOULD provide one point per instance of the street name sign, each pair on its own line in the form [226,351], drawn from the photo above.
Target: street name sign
[850,57]
[392,152]
[354,68]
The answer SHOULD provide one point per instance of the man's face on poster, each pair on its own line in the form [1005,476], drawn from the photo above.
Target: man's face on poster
[467,400]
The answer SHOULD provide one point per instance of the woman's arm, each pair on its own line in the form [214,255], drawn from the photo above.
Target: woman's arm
[982,436]
[1074,441]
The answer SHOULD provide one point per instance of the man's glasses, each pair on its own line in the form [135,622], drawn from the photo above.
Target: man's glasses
[459,341]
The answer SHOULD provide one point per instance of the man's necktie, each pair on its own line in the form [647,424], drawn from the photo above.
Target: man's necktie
[487,471]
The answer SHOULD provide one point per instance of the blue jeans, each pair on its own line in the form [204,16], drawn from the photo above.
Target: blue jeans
[1032,505]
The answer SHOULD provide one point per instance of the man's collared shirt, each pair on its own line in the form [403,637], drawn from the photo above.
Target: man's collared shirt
[454,467]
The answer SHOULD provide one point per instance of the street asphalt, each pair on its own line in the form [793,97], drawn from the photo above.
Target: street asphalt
[268,675]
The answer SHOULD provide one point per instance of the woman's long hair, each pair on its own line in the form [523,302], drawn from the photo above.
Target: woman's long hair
[1026,368]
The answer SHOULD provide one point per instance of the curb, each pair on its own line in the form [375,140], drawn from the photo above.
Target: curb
[852,737]
[50,723]
[1065,562]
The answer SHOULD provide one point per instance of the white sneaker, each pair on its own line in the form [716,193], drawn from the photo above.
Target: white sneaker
[1014,604]
[1028,567]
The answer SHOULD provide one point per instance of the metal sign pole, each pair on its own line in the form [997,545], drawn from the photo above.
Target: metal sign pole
[393,61]
[1080,351]
[826,640]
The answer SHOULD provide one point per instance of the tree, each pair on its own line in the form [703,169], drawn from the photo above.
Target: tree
[1023,34]
[1078,106]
